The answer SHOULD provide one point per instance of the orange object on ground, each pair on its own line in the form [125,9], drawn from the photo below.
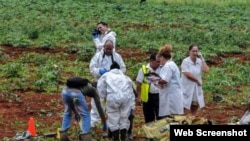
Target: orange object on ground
[31,127]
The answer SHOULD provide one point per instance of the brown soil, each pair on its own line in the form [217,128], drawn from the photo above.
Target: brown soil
[17,107]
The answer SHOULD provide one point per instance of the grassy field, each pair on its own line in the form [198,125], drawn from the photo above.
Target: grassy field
[44,42]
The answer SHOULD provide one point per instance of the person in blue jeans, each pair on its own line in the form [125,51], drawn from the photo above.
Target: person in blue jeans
[73,96]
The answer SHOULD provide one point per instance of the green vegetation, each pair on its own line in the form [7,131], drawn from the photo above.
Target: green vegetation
[219,27]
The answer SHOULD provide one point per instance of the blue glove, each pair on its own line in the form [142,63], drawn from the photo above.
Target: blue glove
[102,71]
[95,36]
[104,127]
[131,111]
[95,33]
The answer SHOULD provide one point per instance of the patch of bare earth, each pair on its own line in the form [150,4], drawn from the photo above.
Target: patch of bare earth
[17,107]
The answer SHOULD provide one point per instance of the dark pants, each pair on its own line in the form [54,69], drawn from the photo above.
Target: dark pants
[131,119]
[151,108]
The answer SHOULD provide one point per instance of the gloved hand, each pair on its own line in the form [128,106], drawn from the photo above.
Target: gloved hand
[104,127]
[95,34]
[102,71]
[200,56]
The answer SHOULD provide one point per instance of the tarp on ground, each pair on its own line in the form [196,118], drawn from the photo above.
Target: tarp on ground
[159,130]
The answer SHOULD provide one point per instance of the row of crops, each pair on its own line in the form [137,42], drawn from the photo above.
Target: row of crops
[218,27]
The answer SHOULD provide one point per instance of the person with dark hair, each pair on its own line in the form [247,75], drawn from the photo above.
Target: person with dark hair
[99,65]
[149,100]
[192,68]
[73,96]
[114,65]
[151,104]
[101,34]
[170,92]
[117,90]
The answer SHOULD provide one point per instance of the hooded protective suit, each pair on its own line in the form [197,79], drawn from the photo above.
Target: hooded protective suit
[100,61]
[102,38]
[117,89]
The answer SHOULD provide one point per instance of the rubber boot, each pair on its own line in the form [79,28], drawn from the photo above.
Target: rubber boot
[116,135]
[123,134]
[63,136]
[85,137]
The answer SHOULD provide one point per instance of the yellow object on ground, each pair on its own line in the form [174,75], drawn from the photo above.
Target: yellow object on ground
[160,130]
[58,133]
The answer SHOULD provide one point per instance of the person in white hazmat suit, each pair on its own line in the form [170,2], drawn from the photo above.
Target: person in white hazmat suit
[101,34]
[117,89]
[100,64]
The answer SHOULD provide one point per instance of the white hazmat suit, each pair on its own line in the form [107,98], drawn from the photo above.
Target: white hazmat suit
[100,41]
[99,61]
[117,89]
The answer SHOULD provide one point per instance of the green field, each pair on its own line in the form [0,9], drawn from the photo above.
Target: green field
[220,27]
[37,28]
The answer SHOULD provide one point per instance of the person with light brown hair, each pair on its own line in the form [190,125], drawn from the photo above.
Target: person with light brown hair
[192,68]
[170,93]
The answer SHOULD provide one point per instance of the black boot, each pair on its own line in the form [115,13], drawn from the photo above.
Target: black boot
[64,136]
[123,134]
[116,135]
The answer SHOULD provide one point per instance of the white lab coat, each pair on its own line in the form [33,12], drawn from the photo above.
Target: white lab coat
[117,89]
[170,96]
[100,41]
[189,87]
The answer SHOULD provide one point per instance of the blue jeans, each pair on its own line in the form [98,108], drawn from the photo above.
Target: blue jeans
[80,106]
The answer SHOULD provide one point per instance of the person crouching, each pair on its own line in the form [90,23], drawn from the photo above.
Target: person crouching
[75,102]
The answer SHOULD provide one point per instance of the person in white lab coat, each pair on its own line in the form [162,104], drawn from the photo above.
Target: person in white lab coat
[170,93]
[117,90]
[192,68]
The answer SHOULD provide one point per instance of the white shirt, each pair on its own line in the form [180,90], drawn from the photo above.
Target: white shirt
[140,77]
